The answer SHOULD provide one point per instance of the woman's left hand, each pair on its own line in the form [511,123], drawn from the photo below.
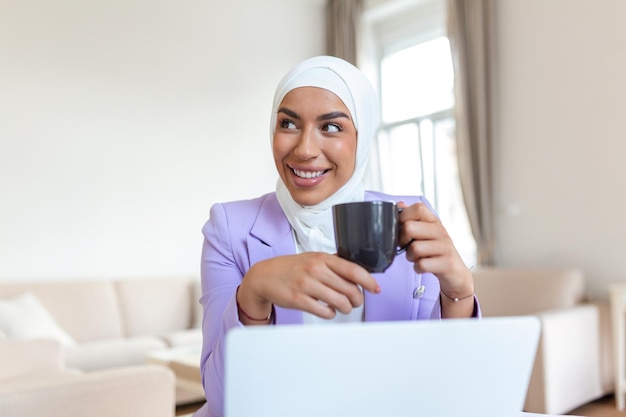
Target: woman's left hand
[432,250]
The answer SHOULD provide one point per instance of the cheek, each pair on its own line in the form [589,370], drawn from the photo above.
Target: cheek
[279,151]
[276,148]
[347,155]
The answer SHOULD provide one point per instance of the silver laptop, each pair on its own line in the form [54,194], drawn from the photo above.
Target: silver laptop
[449,368]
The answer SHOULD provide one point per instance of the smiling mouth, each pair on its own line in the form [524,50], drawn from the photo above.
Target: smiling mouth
[308,174]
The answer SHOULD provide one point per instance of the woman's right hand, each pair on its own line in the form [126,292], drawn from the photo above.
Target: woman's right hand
[301,282]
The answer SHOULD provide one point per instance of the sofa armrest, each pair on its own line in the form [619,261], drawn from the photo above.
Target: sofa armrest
[607,359]
[567,367]
[19,357]
[534,289]
[134,391]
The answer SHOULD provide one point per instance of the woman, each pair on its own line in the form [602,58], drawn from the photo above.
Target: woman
[271,260]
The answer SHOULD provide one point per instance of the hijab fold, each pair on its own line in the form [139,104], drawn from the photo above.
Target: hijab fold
[313,225]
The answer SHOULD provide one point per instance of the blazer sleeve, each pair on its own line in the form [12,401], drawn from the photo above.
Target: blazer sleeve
[429,306]
[220,276]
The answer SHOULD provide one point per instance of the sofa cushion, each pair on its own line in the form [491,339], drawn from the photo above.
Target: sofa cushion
[138,391]
[37,379]
[87,310]
[109,353]
[155,306]
[29,357]
[24,317]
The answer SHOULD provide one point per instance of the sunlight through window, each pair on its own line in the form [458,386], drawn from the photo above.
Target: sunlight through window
[416,81]
[416,144]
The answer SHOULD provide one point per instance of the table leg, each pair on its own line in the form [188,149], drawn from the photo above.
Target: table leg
[617,295]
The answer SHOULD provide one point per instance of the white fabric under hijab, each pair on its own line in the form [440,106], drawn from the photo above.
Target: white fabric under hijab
[313,225]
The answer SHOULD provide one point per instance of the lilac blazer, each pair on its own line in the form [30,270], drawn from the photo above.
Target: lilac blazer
[239,234]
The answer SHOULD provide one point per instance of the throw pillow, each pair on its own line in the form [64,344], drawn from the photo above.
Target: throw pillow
[24,317]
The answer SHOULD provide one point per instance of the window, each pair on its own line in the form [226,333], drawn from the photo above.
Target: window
[409,60]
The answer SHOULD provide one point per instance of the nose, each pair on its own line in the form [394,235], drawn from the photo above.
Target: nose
[307,146]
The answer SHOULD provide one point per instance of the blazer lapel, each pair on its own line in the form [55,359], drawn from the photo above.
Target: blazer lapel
[269,237]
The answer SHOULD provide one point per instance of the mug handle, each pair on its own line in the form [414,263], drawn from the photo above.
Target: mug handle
[405,247]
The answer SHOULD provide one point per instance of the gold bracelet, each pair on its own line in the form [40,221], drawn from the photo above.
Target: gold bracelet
[456,299]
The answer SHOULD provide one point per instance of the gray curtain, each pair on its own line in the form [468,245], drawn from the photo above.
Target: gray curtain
[470,30]
[343,23]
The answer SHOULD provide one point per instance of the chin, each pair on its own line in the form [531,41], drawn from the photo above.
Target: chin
[308,200]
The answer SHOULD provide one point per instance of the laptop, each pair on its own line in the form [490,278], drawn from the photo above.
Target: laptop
[448,368]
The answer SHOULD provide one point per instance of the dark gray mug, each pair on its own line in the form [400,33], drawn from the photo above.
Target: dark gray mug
[366,232]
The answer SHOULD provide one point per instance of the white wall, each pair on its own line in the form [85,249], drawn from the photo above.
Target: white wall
[561,136]
[121,122]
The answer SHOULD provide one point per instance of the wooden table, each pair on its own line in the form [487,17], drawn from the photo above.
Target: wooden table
[185,363]
[617,294]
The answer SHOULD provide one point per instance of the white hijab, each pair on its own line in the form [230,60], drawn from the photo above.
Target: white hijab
[313,225]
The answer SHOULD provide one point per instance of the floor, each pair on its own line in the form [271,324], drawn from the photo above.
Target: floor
[187,409]
[604,407]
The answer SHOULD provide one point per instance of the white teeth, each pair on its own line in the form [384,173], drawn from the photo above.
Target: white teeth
[307,174]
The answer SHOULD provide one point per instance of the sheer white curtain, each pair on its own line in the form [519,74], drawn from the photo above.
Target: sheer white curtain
[470,31]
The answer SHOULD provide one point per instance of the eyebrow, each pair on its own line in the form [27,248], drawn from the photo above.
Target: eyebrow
[326,116]
[333,115]
[289,113]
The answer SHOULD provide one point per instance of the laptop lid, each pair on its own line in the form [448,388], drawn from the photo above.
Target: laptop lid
[448,368]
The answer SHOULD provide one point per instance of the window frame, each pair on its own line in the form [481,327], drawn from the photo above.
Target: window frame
[389,26]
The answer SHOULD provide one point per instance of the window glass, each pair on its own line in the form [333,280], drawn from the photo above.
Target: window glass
[417,81]
[398,148]
[416,147]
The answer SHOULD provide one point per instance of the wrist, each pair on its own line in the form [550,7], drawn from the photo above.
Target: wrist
[251,312]
[463,289]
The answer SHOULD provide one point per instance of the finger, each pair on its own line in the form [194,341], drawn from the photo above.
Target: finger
[316,281]
[319,266]
[304,294]
[427,249]
[318,308]
[435,256]
[434,264]
[344,295]
[342,303]
[418,211]
[354,273]
[329,302]
[337,293]
[421,230]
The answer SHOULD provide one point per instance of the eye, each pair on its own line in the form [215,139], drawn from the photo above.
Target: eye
[286,124]
[332,128]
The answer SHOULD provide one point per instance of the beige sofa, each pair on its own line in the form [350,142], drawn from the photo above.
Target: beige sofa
[35,383]
[573,362]
[105,324]
[109,323]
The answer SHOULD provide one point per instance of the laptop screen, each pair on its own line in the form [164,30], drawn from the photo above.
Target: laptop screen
[448,368]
